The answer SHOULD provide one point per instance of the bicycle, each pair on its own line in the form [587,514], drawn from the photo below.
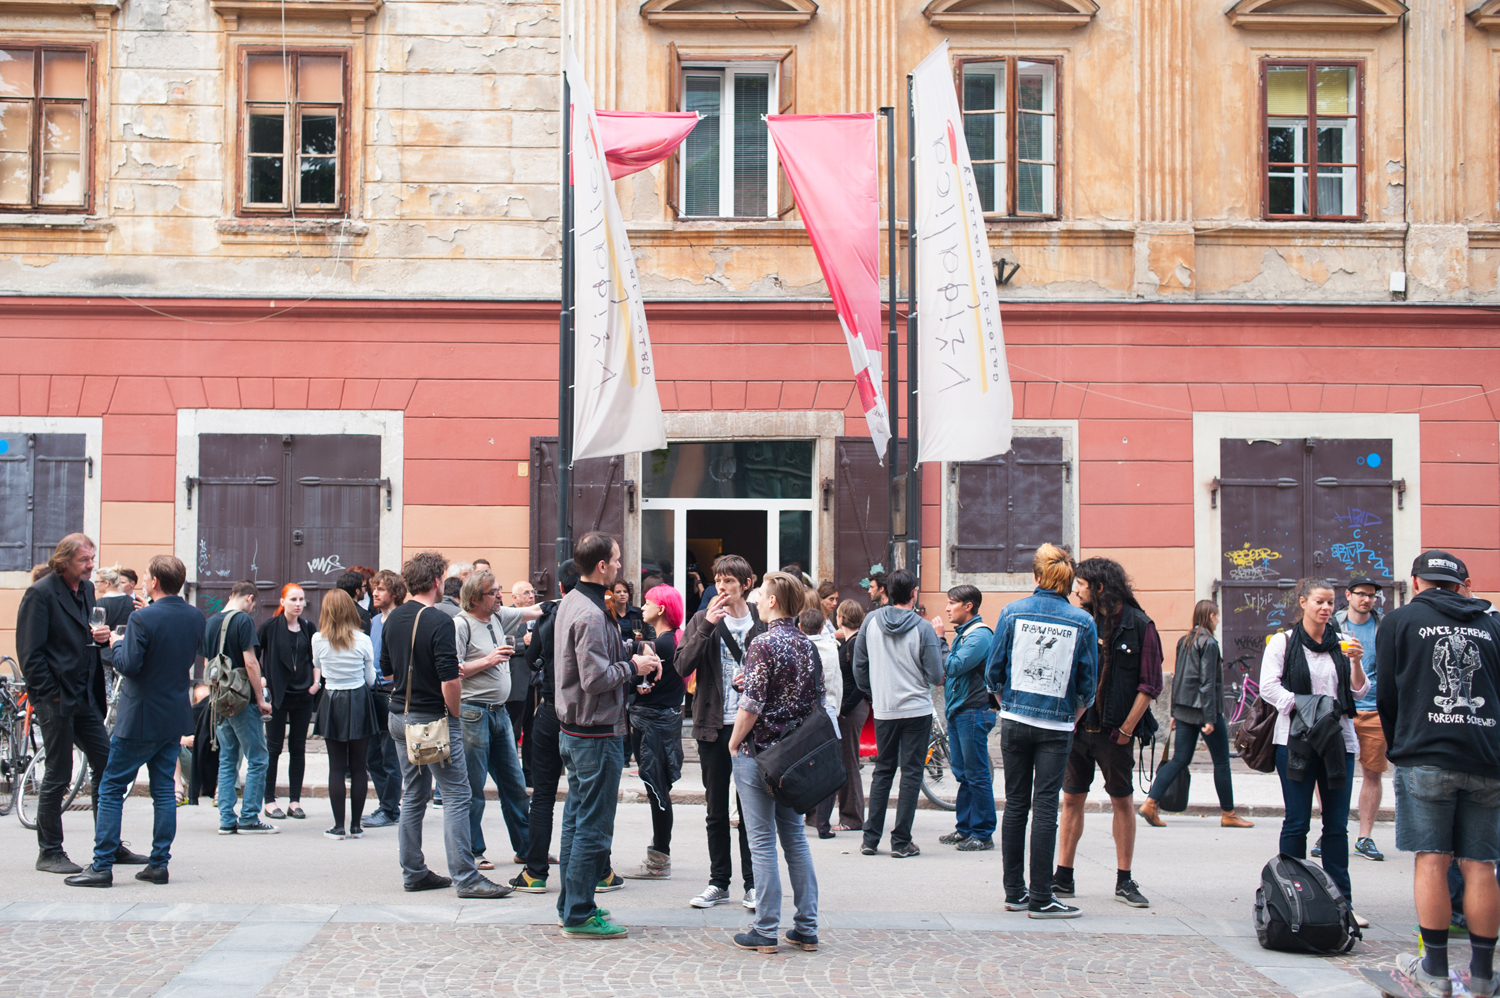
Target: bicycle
[17,738]
[29,793]
[1240,691]
[938,762]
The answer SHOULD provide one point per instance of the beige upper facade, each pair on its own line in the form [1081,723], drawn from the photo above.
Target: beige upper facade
[410,149]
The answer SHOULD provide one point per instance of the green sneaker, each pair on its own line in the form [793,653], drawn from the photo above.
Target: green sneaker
[595,928]
[601,912]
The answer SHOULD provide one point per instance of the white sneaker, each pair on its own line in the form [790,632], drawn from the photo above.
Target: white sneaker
[711,896]
[749,900]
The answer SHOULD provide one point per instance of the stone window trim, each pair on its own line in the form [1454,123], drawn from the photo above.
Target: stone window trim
[101,10]
[1311,156]
[953,530]
[1011,63]
[89,103]
[1055,15]
[784,73]
[766,14]
[1278,15]
[1486,15]
[289,210]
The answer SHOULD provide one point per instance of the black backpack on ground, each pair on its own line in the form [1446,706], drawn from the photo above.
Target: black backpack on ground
[1299,909]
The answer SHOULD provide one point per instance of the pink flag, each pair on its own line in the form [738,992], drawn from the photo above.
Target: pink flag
[636,140]
[831,164]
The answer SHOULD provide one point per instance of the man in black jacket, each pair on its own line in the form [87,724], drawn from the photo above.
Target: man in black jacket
[59,656]
[1438,693]
[155,663]
[713,646]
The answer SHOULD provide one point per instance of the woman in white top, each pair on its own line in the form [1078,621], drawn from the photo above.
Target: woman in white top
[345,659]
[1325,663]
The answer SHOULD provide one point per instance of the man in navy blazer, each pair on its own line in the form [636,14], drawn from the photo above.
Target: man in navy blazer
[153,713]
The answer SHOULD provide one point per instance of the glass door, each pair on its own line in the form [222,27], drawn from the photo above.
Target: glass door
[753,498]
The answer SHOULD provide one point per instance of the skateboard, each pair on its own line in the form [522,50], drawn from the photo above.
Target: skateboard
[1393,985]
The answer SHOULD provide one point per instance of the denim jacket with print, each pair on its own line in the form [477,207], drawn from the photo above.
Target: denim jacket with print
[1044,660]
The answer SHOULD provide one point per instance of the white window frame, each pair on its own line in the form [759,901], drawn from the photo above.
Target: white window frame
[388,424]
[1013,582]
[1404,430]
[726,73]
[92,428]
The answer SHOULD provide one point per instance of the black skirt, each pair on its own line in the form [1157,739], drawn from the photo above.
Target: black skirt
[346,715]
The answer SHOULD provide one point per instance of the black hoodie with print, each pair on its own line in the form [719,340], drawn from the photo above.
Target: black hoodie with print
[1438,683]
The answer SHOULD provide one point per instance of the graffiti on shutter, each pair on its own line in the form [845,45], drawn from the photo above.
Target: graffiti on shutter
[336,499]
[861,516]
[598,504]
[41,495]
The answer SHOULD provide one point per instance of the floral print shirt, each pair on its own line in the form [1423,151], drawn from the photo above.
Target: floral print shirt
[783,682]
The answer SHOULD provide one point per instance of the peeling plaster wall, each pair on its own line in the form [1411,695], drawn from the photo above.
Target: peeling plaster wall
[453,187]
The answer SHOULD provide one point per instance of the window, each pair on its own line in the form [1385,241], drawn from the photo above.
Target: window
[1010,124]
[45,129]
[41,494]
[1313,139]
[294,132]
[1000,510]
[728,162]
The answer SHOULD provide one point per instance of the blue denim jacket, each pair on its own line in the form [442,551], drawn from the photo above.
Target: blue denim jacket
[1044,661]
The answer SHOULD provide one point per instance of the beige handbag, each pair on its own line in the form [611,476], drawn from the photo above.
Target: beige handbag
[426,744]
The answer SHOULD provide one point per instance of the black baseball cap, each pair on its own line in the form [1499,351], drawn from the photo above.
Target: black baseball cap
[1439,566]
[1364,580]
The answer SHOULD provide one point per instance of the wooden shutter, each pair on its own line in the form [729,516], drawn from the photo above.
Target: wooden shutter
[337,498]
[1008,506]
[861,515]
[598,504]
[240,500]
[57,475]
[674,166]
[786,93]
[1348,517]
[15,502]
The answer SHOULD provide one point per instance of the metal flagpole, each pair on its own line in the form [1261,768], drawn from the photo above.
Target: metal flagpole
[914,469]
[564,551]
[892,446]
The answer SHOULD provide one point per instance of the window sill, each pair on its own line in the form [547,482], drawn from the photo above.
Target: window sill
[718,232]
[45,226]
[1300,233]
[277,230]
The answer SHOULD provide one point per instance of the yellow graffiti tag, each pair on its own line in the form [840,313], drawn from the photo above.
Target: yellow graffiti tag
[1247,556]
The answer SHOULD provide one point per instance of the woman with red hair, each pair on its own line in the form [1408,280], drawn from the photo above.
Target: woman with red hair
[656,730]
[286,662]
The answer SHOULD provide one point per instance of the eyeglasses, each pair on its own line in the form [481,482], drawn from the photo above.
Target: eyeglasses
[1356,592]
[494,592]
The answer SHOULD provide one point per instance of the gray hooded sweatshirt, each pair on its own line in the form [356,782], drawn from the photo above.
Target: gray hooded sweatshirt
[897,662]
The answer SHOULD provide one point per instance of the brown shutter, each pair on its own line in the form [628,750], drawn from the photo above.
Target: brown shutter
[786,91]
[674,161]
[1008,506]
[861,515]
[58,468]
[337,499]
[240,501]
[598,504]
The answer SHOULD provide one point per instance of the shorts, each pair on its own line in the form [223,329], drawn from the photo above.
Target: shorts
[1445,811]
[1371,741]
[1115,761]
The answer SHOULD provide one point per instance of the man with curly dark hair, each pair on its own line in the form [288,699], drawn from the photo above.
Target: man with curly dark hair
[1130,678]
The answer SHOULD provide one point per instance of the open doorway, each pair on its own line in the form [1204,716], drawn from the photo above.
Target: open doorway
[712,532]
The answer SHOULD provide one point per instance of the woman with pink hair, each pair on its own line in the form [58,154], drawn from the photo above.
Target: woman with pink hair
[656,730]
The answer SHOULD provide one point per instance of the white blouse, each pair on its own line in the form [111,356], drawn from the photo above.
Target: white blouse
[1325,682]
[348,669]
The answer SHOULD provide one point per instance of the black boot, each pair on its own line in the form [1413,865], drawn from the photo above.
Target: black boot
[56,862]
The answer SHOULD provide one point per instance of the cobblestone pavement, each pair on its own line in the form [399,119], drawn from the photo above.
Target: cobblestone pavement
[119,959]
[406,961]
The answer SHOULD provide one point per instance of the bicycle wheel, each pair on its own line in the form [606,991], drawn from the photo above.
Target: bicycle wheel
[937,763]
[10,768]
[80,776]
[30,789]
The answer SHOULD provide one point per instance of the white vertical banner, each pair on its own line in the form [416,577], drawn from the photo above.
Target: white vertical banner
[615,406]
[963,382]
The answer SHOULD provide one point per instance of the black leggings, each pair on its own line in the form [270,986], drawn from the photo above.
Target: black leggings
[347,758]
[296,708]
[661,811]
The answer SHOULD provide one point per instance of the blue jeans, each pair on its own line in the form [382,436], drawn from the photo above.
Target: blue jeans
[452,778]
[244,734]
[1298,796]
[126,757]
[490,749]
[588,821]
[969,757]
[380,760]
[1182,755]
[766,821]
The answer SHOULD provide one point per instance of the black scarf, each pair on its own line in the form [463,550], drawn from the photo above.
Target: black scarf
[1296,677]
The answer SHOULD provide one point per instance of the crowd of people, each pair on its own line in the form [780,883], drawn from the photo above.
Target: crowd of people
[425,685]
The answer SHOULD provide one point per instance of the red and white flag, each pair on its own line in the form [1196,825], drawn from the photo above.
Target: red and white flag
[615,406]
[831,164]
[637,140]
[963,382]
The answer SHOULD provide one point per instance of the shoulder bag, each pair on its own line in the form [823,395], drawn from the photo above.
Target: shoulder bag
[426,744]
[807,764]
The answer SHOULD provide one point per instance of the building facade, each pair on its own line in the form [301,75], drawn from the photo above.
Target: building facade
[281,288]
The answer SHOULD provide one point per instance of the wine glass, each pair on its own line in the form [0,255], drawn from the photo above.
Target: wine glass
[98,617]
